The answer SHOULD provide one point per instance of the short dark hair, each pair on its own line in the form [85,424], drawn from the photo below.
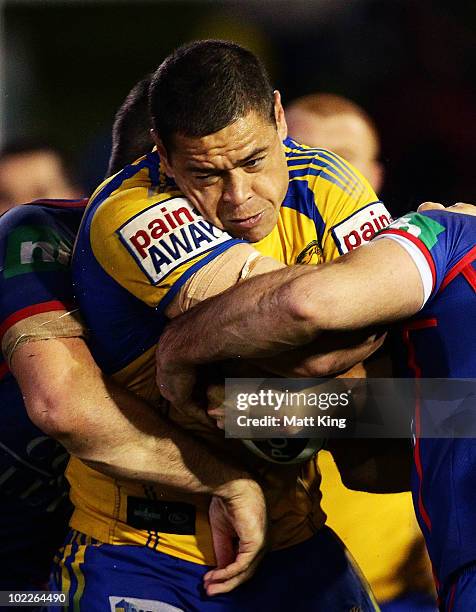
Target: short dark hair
[131,128]
[206,85]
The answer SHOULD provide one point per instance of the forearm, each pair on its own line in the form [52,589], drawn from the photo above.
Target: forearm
[329,355]
[290,307]
[248,320]
[108,428]
[132,441]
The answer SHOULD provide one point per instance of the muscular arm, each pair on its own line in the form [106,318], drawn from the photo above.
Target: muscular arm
[108,428]
[331,354]
[278,311]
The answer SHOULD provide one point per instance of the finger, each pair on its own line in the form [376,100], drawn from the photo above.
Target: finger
[219,588]
[164,390]
[224,550]
[240,565]
[215,394]
[216,413]
[430,206]
[464,208]
[176,387]
[215,586]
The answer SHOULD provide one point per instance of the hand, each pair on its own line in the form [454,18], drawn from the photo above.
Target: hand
[459,207]
[430,206]
[215,404]
[175,380]
[238,523]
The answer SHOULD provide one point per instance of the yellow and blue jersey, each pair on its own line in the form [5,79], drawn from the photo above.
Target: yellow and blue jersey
[329,209]
[140,241]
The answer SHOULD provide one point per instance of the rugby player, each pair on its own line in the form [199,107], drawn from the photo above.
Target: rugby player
[422,270]
[338,124]
[219,131]
[58,381]
[43,344]
[35,249]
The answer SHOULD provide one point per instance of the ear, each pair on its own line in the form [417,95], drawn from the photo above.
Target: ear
[164,157]
[279,116]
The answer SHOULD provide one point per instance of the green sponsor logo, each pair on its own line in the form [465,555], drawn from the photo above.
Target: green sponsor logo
[33,248]
[422,227]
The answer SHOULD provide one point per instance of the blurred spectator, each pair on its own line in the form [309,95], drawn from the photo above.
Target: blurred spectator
[380,531]
[335,123]
[30,170]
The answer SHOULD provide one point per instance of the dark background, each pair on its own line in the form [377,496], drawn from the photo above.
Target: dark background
[410,64]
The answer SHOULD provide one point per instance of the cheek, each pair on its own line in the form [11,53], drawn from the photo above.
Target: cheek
[278,176]
[274,189]
[206,201]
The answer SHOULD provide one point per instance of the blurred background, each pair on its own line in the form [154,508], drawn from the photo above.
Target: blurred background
[66,67]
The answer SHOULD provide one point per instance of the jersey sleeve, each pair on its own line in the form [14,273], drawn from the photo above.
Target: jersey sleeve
[151,245]
[351,212]
[35,279]
[438,242]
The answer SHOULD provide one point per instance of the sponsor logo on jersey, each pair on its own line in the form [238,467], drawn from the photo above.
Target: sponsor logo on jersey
[133,604]
[167,235]
[167,517]
[311,254]
[422,227]
[360,227]
[35,248]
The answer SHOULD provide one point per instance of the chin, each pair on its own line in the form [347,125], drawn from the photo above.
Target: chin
[257,233]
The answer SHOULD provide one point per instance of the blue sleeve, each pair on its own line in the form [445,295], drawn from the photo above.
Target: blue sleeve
[35,251]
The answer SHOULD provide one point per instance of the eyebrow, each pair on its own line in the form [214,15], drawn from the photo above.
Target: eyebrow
[204,170]
[254,153]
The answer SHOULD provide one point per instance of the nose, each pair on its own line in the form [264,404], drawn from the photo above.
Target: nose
[237,187]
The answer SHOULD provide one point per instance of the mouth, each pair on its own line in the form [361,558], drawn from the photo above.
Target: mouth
[247,222]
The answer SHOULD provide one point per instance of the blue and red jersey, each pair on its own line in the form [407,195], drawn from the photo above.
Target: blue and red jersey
[35,246]
[440,342]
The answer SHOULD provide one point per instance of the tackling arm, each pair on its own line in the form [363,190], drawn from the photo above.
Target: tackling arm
[107,427]
[274,312]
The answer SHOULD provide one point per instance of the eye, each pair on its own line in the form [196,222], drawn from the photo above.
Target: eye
[253,163]
[205,178]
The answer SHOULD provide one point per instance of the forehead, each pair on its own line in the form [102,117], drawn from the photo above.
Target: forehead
[229,145]
[340,133]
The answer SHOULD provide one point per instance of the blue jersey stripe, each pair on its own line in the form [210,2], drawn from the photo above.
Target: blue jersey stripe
[154,173]
[337,161]
[316,163]
[150,161]
[321,173]
[326,159]
[300,153]
[301,198]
